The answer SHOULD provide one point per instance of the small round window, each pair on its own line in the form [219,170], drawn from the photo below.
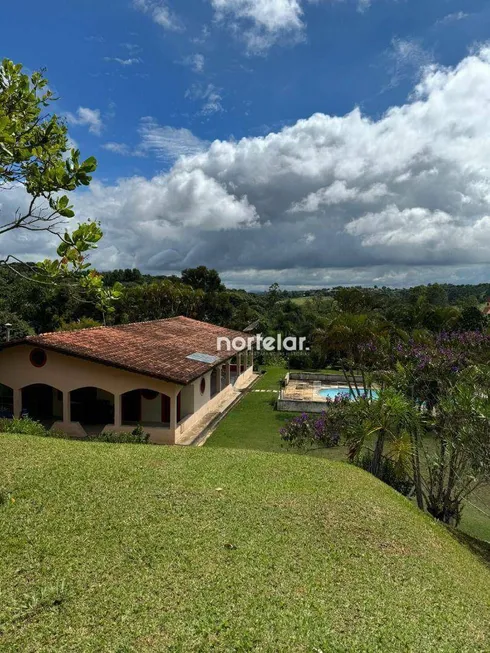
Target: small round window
[203,385]
[38,357]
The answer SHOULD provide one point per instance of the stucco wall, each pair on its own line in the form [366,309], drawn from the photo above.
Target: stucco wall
[244,379]
[201,399]
[191,420]
[67,373]
[187,400]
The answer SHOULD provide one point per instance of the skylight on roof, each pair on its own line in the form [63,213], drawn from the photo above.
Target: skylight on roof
[203,358]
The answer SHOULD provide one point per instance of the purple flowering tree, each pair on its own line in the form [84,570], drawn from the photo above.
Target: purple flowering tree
[445,377]
[318,430]
[431,420]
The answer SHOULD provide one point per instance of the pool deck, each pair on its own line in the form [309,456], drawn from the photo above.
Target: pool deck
[301,391]
[308,391]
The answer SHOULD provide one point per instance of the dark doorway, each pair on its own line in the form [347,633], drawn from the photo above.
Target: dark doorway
[165,409]
[6,401]
[131,406]
[92,406]
[42,402]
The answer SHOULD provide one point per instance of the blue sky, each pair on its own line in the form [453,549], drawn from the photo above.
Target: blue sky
[142,82]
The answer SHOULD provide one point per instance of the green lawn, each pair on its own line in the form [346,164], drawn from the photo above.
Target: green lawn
[134,548]
[254,424]
[295,300]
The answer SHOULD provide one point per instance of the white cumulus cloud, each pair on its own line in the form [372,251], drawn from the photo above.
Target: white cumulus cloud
[265,20]
[160,13]
[88,118]
[195,61]
[262,23]
[404,198]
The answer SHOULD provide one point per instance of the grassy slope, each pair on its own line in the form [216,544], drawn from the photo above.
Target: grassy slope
[253,424]
[134,548]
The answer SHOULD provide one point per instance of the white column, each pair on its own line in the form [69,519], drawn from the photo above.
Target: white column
[66,407]
[251,358]
[117,411]
[228,372]
[17,403]
[173,412]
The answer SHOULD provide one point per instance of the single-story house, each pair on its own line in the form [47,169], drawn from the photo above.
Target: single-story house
[166,375]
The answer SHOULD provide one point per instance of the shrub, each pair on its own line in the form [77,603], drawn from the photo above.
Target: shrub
[28,426]
[82,323]
[136,436]
[300,361]
[272,358]
[24,426]
[314,429]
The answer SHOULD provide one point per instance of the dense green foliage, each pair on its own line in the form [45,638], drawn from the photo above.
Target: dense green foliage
[35,155]
[136,436]
[129,548]
[200,294]
[27,426]
[431,418]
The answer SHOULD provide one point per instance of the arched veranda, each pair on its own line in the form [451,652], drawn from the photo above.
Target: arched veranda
[147,407]
[92,407]
[6,401]
[43,403]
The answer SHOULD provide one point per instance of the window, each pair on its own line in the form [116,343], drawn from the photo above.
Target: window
[38,357]
[203,385]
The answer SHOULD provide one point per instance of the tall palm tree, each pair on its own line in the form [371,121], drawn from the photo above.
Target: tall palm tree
[346,335]
[392,420]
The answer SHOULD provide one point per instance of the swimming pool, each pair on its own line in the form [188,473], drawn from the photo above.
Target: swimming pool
[331,393]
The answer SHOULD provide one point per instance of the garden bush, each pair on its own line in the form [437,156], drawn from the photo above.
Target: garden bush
[28,426]
[136,436]
[314,429]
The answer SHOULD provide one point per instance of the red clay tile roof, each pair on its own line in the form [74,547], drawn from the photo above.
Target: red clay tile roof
[158,348]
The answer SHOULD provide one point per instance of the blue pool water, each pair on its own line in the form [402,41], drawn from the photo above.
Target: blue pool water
[331,393]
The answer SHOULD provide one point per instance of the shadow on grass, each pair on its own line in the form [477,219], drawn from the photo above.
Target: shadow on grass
[478,547]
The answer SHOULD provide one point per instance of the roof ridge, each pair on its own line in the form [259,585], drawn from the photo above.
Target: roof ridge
[110,326]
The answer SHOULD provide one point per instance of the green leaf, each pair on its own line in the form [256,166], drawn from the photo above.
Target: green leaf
[66,213]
